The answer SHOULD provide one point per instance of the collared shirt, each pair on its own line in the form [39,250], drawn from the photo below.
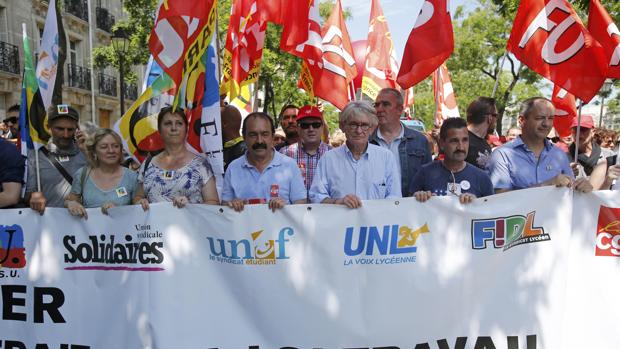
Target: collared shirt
[374,176]
[281,178]
[307,163]
[514,165]
[393,147]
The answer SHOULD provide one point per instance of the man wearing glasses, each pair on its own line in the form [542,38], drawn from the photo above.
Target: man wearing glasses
[12,122]
[310,147]
[357,170]
[452,175]
[410,147]
[481,121]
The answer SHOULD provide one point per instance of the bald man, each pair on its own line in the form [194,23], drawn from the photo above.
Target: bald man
[234,145]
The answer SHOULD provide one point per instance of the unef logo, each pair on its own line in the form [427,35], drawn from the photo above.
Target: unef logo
[12,252]
[258,251]
[506,232]
[391,242]
[608,232]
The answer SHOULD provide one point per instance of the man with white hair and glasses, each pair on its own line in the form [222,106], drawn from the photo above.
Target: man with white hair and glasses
[357,170]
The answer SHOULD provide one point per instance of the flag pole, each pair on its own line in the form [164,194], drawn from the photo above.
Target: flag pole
[436,86]
[218,46]
[576,141]
[499,73]
[92,64]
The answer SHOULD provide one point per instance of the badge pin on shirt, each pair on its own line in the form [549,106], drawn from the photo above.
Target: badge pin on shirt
[168,174]
[120,192]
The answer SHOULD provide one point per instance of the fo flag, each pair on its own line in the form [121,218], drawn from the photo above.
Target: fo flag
[565,111]
[550,39]
[603,29]
[181,34]
[381,66]
[430,43]
[444,96]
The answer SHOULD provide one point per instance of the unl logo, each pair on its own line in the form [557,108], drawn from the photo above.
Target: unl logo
[12,252]
[608,232]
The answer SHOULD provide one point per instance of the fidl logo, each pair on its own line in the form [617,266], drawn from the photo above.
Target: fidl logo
[255,252]
[608,232]
[395,244]
[506,232]
[12,251]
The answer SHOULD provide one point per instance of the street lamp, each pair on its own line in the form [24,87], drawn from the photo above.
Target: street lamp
[605,90]
[120,42]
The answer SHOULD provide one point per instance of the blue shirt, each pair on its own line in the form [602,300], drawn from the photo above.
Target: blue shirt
[92,196]
[374,176]
[514,166]
[436,178]
[394,146]
[281,178]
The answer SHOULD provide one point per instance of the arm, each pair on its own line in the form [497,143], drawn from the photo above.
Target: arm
[499,172]
[10,194]
[139,199]
[209,192]
[597,177]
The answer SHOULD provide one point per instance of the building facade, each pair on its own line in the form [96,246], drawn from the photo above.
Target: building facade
[77,73]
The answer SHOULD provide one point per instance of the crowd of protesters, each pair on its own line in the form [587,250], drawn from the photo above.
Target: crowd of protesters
[372,156]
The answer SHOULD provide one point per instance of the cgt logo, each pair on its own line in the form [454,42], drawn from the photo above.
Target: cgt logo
[608,232]
[258,251]
[12,251]
[506,232]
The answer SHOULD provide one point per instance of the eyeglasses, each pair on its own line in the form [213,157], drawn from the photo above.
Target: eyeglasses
[314,125]
[384,104]
[12,120]
[363,126]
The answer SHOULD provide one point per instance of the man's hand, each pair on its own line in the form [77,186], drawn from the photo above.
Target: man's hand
[80,140]
[575,168]
[276,203]
[350,201]
[466,198]
[38,202]
[422,196]
[583,185]
[236,204]
[144,202]
[560,180]
[613,172]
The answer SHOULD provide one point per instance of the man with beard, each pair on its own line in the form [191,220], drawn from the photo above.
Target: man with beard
[592,159]
[481,120]
[288,121]
[531,160]
[12,122]
[263,175]
[452,175]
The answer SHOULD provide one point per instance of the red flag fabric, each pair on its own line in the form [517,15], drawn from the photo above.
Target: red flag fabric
[381,67]
[330,77]
[244,47]
[549,37]
[430,43]
[444,96]
[181,34]
[565,111]
[295,17]
[603,29]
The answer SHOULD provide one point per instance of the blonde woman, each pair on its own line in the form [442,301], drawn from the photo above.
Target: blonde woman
[103,182]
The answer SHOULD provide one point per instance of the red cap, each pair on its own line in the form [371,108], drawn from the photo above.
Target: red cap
[494,140]
[308,111]
[586,121]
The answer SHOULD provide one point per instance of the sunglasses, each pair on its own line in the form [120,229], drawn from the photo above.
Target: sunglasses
[306,125]
[12,120]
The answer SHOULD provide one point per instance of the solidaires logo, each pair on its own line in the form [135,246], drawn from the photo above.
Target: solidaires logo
[255,251]
[12,251]
[506,232]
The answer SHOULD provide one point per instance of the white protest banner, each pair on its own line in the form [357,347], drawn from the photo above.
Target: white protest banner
[392,274]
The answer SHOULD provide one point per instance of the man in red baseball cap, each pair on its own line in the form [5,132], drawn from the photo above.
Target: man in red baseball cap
[592,159]
[310,147]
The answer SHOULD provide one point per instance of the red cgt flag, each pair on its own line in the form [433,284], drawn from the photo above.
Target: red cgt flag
[549,37]
[565,110]
[181,34]
[430,43]
[381,66]
[444,96]
[603,29]
[295,16]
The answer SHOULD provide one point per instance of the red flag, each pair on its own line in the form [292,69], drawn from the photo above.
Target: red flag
[330,77]
[381,66]
[295,17]
[180,35]
[603,29]
[565,111]
[244,47]
[430,43]
[549,37]
[444,96]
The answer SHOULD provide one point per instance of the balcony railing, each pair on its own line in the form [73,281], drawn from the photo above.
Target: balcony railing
[131,91]
[78,8]
[105,21]
[78,76]
[9,58]
[107,84]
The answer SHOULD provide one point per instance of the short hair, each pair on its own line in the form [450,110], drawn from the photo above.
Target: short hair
[169,110]
[255,115]
[479,109]
[356,108]
[449,124]
[94,139]
[288,106]
[396,93]
[14,107]
[528,105]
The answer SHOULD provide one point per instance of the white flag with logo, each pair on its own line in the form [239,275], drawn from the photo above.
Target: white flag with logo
[47,64]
